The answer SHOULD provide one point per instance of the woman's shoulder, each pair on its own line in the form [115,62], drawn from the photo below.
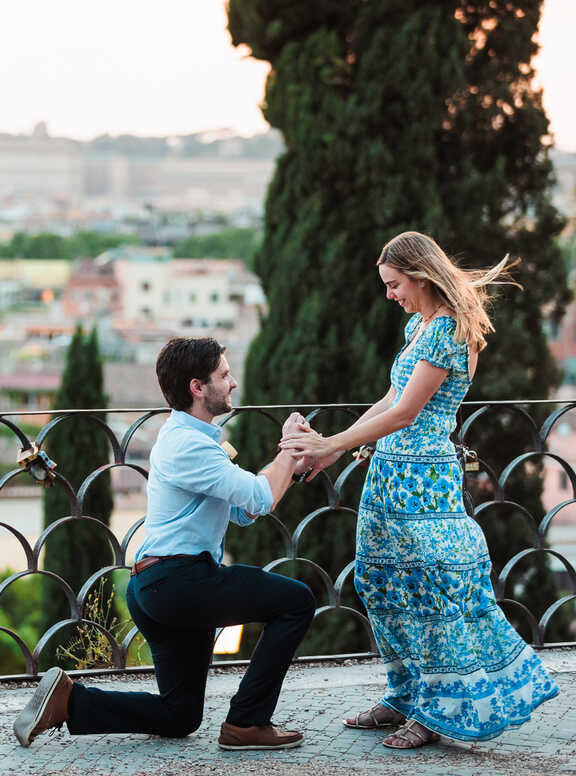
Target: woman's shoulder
[441,331]
[443,326]
[445,321]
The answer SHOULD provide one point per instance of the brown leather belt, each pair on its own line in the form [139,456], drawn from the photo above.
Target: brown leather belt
[152,560]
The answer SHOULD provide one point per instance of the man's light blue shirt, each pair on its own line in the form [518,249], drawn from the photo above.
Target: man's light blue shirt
[194,490]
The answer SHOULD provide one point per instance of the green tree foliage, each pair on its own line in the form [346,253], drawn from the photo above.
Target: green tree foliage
[395,116]
[79,446]
[46,245]
[225,244]
[20,611]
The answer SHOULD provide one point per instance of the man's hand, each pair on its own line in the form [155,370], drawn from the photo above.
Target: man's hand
[319,464]
[294,423]
[304,464]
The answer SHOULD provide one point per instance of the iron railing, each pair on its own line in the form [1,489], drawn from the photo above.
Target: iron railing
[528,423]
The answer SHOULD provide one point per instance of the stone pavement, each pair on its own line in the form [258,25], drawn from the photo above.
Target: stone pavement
[314,698]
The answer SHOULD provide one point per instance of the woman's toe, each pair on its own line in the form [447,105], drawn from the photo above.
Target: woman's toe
[395,741]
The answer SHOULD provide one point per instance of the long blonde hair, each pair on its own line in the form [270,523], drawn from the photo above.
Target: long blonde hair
[462,291]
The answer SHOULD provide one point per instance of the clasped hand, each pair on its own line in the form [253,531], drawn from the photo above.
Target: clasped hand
[309,447]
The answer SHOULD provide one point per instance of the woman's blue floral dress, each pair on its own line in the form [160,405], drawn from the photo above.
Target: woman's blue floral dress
[454,663]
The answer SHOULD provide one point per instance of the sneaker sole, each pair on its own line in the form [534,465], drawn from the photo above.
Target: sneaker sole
[234,747]
[32,712]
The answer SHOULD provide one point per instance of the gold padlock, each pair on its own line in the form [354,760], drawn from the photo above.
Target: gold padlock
[27,455]
[472,464]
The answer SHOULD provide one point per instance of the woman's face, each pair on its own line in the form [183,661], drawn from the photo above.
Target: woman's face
[401,288]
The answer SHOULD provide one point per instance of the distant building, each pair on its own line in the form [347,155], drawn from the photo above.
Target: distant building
[60,185]
[186,293]
[564,192]
[11,292]
[211,184]
[557,486]
[31,391]
[38,164]
[92,291]
[562,343]
[35,276]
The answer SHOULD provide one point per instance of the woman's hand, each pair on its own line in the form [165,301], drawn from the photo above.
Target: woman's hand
[308,443]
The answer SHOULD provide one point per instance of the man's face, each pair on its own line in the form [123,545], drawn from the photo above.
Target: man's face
[219,388]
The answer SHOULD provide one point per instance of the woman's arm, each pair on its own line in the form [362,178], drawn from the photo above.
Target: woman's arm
[318,464]
[423,384]
[383,404]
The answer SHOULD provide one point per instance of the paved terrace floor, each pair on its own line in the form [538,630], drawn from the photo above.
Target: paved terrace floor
[315,698]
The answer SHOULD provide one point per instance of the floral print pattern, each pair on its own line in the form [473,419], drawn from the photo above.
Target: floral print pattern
[454,663]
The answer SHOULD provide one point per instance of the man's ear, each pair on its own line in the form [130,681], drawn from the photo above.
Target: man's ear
[196,388]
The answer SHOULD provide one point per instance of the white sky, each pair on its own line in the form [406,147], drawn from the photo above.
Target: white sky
[161,68]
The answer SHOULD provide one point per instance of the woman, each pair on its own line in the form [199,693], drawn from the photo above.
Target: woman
[455,666]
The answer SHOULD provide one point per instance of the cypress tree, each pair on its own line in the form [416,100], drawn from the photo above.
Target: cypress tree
[78,446]
[395,116]
[494,156]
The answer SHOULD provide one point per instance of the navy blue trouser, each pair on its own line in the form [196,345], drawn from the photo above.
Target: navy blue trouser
[177,604]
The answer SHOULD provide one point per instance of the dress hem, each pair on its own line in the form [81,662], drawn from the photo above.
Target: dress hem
[457,735]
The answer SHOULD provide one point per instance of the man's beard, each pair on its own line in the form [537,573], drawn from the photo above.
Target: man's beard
[216,405]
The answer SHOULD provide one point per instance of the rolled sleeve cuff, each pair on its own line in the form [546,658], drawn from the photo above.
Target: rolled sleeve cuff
[263,498]
[240,517]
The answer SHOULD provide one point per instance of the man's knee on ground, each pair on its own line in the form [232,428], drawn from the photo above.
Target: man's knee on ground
[182,725]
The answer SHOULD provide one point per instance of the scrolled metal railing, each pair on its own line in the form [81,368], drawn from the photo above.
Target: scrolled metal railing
[489,488]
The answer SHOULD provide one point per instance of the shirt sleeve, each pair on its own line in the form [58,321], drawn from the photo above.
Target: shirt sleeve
[440,348]
[199,465]
[240,517]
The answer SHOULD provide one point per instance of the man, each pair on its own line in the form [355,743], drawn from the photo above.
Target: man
[179,592]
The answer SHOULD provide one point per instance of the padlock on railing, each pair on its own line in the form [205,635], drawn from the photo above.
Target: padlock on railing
[38,464]
[364,454]
[471,462]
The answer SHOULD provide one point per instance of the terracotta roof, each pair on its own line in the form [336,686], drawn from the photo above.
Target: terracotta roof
[30,382]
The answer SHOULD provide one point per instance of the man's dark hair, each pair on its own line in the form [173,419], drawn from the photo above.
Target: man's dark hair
[182,359]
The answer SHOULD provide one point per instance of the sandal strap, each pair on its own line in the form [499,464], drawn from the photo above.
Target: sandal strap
[373,717]
[408,730]
[405,735]
[370,717]
[393,715]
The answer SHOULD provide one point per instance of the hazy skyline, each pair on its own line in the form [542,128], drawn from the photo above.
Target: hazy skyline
[166,69]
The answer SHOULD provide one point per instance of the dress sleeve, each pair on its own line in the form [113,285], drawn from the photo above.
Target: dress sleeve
[441,350]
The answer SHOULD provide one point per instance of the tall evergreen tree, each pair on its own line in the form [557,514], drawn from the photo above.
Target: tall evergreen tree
[395,115]
[78,446]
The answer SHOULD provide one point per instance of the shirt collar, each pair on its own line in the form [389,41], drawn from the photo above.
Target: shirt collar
[185,419]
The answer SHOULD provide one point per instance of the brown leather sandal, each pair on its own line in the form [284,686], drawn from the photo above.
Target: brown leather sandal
[368,720]
[414,737]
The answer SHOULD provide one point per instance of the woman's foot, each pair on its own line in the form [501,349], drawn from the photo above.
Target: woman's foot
[376,717]
[411,736]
